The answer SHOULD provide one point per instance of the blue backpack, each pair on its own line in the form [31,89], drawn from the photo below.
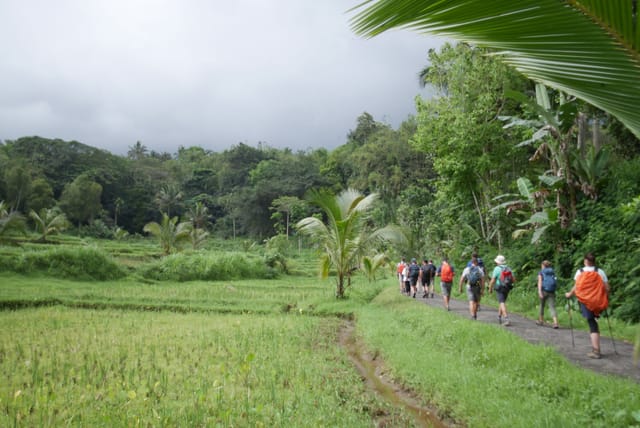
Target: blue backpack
[549,282]
[474,276]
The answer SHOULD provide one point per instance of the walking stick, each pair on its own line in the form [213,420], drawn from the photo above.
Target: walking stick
[569,304]
[606,314]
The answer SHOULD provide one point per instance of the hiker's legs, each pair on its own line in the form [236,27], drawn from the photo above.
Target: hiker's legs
[594,330]
[502,310]
[473,294]
[445,288]
[541,312]
[551,298]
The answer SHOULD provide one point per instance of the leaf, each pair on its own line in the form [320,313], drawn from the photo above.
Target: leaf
[537,234]
[584,48]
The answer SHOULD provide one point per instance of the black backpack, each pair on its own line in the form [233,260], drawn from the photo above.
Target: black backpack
[414,271]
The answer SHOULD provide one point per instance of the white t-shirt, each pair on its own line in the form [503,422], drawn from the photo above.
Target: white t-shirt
[591,269]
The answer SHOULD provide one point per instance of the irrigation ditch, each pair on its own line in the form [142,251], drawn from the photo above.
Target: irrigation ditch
[372,370]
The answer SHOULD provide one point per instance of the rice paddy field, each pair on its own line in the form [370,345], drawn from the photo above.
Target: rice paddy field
[251,352]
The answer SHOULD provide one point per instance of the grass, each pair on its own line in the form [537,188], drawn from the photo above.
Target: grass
[74,367]
[484,375]
[136,351]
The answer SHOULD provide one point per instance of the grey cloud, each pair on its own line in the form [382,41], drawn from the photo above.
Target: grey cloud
[196,72]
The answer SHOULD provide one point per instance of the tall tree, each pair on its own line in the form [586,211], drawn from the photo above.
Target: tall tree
[80,199]
[475,158]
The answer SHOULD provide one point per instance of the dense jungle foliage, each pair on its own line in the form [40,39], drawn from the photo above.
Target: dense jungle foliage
[493,163]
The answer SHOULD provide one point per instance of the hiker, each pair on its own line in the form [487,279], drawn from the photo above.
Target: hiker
[406,280]
[502,280]
[474,277]
[547,292]
[446,273]
[484,271]
[427,276]
[414,275]
[592,289]
[399,268]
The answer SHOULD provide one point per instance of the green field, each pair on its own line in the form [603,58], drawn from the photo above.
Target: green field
[256,352]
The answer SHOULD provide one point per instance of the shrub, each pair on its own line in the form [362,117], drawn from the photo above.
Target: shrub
[79,263]
[208,266]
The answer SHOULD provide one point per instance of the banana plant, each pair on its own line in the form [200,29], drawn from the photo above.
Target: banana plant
[532,202]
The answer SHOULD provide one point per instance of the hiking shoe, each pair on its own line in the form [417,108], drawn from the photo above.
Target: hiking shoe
[506,322]
[595,354]
[425,295]
[414,295]
[555,326]
[539,322]
[473,317]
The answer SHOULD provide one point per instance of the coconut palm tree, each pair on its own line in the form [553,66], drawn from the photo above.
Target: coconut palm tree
[169,197]
[49,221]
[346,236]
[11,222]
[588,49]
[169,232]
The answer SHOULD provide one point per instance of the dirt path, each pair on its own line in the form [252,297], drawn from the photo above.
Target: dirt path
[617,357]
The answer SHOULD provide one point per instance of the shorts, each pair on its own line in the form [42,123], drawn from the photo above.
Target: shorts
[591,318]
[414,281]
[446,288]
[474,292]
[502,296]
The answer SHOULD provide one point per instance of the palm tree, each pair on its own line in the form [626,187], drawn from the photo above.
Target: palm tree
[346,236]
[169,232]
[168,197]
[588,49]
[49,221]
[11,222]
[199,216]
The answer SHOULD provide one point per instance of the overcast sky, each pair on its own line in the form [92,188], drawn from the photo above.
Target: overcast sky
[209,73]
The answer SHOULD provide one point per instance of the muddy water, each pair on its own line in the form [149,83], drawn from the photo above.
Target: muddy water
[394,394]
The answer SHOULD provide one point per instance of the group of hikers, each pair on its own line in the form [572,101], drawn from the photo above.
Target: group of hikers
[591,288]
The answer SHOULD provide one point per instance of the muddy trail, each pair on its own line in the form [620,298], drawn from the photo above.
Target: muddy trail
[617,357]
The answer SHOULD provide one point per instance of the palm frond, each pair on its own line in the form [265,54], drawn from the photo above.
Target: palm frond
[588,49]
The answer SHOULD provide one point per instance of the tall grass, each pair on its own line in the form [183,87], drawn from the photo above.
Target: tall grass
[63,262]
[207,265]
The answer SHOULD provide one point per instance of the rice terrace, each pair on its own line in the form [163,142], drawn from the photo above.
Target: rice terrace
[113,337]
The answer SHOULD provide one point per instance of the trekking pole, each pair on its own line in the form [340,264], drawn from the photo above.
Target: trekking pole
[606,314]
[569,304]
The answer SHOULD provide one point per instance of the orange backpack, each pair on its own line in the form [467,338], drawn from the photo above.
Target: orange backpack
[591,292]
[446,273]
